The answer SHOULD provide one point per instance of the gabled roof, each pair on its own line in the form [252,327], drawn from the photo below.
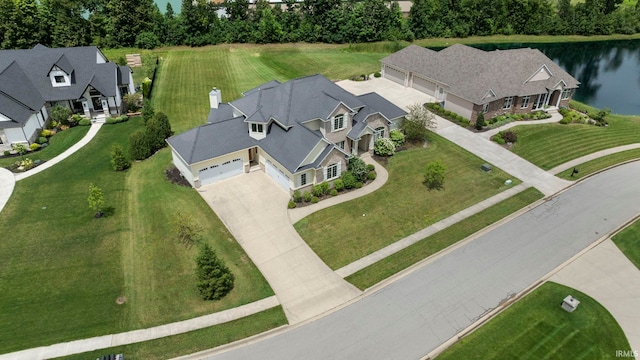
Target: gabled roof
[470,73]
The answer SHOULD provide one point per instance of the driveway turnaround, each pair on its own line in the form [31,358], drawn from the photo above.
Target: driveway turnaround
[416,313]
[7,183]
[254,209]
[605,274]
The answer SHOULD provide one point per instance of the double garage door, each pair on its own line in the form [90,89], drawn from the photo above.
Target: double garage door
[220,171]
[395,75]
[277,175]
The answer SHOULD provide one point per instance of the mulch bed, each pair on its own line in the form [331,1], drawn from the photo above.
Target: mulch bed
[174,175]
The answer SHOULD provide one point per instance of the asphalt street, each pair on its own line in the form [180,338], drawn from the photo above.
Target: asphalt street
[414,315]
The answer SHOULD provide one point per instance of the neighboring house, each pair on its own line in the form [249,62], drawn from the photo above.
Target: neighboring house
[300,132]
[469,81]
[34,80]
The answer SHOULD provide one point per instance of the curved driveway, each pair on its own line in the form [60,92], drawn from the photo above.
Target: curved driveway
[412,316]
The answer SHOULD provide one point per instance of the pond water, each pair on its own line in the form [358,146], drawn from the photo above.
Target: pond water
[609,71]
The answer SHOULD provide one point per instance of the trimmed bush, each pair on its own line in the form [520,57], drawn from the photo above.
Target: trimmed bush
[60,114]
[384,147]
[338,184]
[349,180]
[509,136]
[7,153]
[480,121]
[372,175]
[377,74]
[498,139]
[84,122]
[46,133]
[41,140]
[147,111]
[297,197]
[119,160]
[370,167]
[116,120]
[324,186]
[434,175]
[333,192]
[314,200]
[291,205]
[397,137]
[358,185]
[138,146]
[358,168]
[306,196]
[316,190]
[34,146]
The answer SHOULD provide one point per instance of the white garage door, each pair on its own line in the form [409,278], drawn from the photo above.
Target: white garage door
[218,172]
[424,85]
[394,75]
[277,175]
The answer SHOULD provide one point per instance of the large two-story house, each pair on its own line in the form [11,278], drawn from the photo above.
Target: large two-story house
[470,81]
[300,132]
[34,80]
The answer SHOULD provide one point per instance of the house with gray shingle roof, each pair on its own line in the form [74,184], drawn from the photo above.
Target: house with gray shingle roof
[300,132]
[469,81]
[34,80]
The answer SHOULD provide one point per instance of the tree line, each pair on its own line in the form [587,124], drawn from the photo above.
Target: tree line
[139,23]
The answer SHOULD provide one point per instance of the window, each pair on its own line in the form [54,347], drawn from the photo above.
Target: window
[303,179]
[256,128]
[508,101]
[332,171]
[525,102]
[338,122]
[566,93]
[378,133]
[340,144]
[59,79]
[485,108]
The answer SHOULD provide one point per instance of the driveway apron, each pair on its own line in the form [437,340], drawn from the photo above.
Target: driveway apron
[254,209]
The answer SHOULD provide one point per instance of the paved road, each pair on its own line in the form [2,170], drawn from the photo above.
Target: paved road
[414,315]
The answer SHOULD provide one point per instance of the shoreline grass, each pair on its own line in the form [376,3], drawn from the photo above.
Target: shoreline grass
[426,247]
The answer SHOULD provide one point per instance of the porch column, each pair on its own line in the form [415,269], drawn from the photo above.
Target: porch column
[85,107]
[354,147]
[105,107]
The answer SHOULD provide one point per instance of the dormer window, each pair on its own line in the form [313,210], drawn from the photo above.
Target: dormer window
[257,128]
[338,122]
[59,79]
[256,131]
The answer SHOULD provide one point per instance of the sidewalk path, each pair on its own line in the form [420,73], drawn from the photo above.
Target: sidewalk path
[605,274]
[581,160]
[77,146]
[297,214]
[555,117]
[7,183]
[135,336]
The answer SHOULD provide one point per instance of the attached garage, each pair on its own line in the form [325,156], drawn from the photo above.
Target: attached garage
[395,75]
[278,175]
[221,171]
[424,85]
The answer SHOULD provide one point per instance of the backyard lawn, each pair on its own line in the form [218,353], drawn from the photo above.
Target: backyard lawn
[62,270]
[549,145]
[348,231]
[537,328]
[628,241]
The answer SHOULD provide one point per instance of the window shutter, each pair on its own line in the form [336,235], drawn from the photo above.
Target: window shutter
[339,169]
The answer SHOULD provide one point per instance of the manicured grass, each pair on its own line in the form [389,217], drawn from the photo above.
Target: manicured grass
[187,75]
[537,328]
[194,341]
[348,231]
[628,241]
[549,145]
[426,247]
[57,144]
[62,270]
[600,163]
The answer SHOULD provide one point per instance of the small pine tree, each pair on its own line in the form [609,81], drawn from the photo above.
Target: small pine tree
[138,146]
[119,160]
[480,121]
[96,199]
[164,125]
[147,111]
[156,131]
[214,279]
[434,175]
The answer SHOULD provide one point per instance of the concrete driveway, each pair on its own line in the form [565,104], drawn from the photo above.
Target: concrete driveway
[254,209]
[7,182]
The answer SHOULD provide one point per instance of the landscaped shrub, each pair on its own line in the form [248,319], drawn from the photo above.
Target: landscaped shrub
[306,196]
[119,160]
[84,122]
[291,205]
[157,130]
[116,120]
[34,146]
[147,111]
[371,175]
[133,101]
[316,190]
[324,186]
[314,200]
[397,137]
[417,122]
[338,184]
[146,87]
[370,167]
[44,145]
[498,139]
[358,184]
[297,197]
[138,146]
[60,114]
[7,153]
[333,192]
[46,133]
[349,180]
[480,121]
[75,118]
[214,279]
[509,136]
[41,140]
[358,168]
[384,147]
[434,175]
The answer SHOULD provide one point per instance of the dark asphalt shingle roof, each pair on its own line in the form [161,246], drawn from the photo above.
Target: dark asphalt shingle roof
[470,73]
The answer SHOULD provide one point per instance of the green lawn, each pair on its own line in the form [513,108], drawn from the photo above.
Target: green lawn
[549,145]
[537,328]
[592,166]
[401,260]
[62,270]
[194,341]
[348,231]
[57,144]
[628,241]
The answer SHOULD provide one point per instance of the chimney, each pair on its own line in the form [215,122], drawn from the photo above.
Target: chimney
[215,98]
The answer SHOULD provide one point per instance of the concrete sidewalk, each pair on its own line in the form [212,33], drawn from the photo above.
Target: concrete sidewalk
[298,214]
[7,183]
[605,274]
[555,117]
[135,336]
